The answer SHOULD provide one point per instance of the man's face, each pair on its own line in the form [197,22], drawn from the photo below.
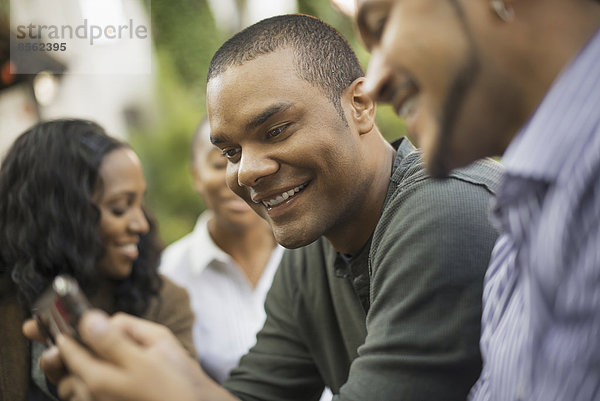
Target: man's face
[208,170]
[290,154]
[428,65]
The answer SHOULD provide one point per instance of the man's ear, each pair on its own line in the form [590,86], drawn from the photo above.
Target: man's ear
[362,106]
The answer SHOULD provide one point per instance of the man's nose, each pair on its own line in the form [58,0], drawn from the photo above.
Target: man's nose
[254,165]
[379,77]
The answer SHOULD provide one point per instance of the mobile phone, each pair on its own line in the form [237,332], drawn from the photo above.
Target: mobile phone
[59,308]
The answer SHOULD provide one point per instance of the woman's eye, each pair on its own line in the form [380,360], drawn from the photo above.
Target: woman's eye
[117,211]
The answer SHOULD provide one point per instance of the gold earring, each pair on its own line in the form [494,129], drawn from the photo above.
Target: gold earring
[504,12]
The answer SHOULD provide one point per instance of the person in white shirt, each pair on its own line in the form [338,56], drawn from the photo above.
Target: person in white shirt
[226,263]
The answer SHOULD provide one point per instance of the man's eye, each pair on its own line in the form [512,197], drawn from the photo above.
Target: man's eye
[372,26]
[230,153]
[376,29]
[276,131]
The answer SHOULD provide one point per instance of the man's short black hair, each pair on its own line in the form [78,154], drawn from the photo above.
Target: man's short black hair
[322,56]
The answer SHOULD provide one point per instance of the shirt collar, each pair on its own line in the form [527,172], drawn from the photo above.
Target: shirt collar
[543,146]
[208,252]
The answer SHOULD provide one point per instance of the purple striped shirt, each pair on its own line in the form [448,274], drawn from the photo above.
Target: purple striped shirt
[541,302]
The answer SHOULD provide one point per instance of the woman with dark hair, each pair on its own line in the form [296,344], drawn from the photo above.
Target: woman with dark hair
[71,201]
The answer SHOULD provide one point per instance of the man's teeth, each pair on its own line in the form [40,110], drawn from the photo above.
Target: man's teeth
[284,196]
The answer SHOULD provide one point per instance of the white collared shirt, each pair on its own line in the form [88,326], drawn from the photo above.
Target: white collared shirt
[229,312]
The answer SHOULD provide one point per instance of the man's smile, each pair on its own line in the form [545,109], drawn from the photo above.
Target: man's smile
[285,195]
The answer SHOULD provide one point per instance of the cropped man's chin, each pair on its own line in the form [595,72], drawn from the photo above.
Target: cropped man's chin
[293,240]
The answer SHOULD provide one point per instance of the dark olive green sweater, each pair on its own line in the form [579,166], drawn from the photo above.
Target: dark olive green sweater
[400,320]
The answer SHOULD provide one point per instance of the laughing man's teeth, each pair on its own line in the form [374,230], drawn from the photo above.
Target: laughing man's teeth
[284,196]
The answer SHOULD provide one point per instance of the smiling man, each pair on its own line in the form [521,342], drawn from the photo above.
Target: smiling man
[519,79]
[379,297]
[292,155]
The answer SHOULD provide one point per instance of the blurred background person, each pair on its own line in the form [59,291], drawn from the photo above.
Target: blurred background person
[72,201]
[226,263]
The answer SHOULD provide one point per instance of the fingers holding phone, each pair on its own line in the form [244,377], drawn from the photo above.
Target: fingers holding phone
[124,357]
[59,308]
[127,358]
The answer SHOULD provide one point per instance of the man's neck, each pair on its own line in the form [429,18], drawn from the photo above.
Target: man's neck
[351,237]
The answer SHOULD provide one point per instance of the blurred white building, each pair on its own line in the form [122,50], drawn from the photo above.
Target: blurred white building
[107,82]
[110,81]
[234,15]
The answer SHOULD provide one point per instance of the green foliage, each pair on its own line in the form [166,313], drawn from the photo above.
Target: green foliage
[391,126]
[164,150]
[186,37]
[187,31]
[4,9]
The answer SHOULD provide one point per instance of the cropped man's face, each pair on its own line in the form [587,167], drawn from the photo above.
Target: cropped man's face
[208,169]
[228,209]
[431,61]
[290,154]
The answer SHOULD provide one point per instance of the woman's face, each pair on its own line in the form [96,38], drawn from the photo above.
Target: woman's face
[122,220]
